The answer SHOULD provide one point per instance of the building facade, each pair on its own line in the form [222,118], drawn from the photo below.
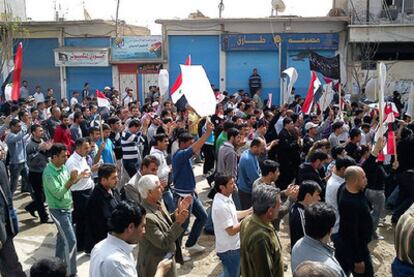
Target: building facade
[382,31]
[229,49]
[64,55]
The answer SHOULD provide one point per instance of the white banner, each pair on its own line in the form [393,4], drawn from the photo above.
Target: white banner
[197,89]
[293,76]
[82,57]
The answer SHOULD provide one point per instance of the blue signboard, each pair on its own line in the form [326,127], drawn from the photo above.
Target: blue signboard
[139,48]
[270,42]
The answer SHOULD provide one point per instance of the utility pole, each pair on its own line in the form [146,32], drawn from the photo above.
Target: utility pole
[221,8]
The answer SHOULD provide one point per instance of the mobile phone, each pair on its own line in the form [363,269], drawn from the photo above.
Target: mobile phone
[169,256]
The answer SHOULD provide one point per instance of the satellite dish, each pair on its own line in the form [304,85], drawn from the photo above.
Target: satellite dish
[278,6]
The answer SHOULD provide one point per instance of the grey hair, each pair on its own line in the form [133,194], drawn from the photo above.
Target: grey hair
[313,269]
[263,198]
[147,183]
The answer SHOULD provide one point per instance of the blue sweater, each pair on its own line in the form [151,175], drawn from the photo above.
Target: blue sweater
[17,147]
[183,175]
[248,171]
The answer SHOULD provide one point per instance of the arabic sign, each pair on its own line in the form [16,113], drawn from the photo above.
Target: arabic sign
[81,57]
[269,42]
[139,48]
[153,68]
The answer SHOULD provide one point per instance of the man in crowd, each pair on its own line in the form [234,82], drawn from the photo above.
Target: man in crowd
[249,171]
[57,182]
[260,248]
[161,230]
[227,225]
[355,225]
[314,246]
[159,150]
[309,193]
[101,203]
[9,261]
[184,183]
[130,191]
[16,144]
[227,156]
[334,182]
[63,135]
[75,128]
[255,82]
[37,158]
[113,256]
[81,190]
[132,147]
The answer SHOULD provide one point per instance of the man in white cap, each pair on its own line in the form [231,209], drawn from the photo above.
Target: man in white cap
[310,136]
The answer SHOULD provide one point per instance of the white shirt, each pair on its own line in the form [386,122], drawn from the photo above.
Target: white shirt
[39,97]
[279,124]
[79,163]
[332,186]
[163,169]
[73,101]
[112,257]
[224,215]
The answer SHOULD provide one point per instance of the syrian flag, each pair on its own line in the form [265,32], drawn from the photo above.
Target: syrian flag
[11,90]
[390,147]
[102,100]
[314,90]
[176,90]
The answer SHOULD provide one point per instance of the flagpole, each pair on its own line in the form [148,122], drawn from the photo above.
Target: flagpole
[280,74]
[101,128]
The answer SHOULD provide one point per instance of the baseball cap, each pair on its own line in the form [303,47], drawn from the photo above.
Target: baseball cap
[310,125]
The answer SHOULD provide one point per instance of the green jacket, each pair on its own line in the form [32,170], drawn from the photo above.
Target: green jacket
[222,138]
[260,249]
[54,181]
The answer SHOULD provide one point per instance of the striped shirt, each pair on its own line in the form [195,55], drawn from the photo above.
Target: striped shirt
[132,146]
[404,237]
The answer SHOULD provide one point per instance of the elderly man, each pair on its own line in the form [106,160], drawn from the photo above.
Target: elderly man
[260,248]
[162,233]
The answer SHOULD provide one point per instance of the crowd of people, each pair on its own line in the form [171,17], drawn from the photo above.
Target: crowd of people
[119,183]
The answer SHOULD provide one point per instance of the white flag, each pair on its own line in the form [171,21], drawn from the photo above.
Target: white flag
[410,106]
[293,76]
[163,83]
[197,90]
[382,77]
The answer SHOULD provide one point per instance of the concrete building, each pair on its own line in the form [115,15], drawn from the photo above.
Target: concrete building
[381,31]
[229,48]
[64,55]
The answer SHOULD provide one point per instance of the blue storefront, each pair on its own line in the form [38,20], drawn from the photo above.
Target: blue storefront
[97,76]
[38,64]
[247,51]
[204,50]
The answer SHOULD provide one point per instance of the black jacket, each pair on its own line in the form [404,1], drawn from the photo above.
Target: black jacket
[375,172]
[7,228]
[98,211]
[296,223]
[355,225]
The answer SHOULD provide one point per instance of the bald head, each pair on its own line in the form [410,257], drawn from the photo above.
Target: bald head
[355,178]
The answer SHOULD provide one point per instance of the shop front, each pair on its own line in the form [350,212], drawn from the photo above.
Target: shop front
[136,62]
